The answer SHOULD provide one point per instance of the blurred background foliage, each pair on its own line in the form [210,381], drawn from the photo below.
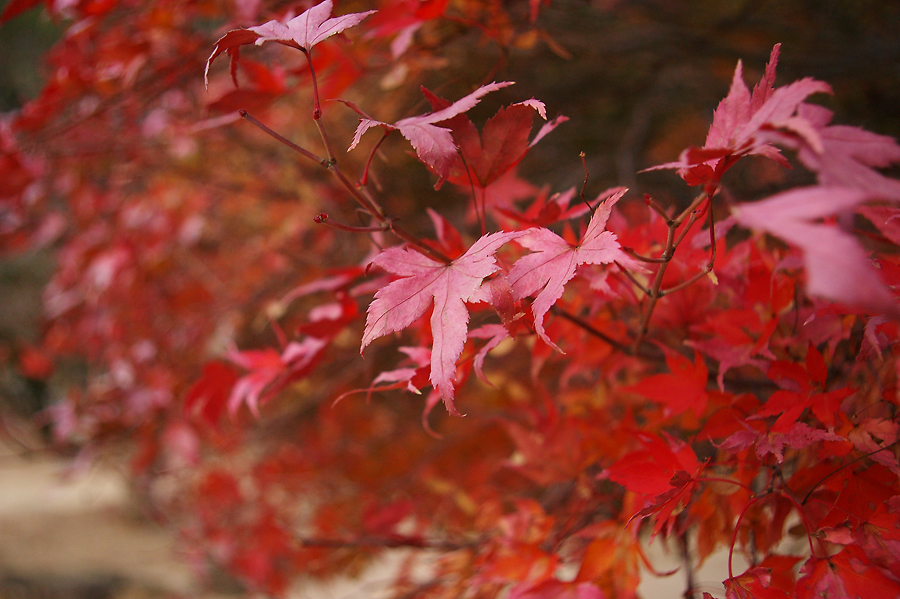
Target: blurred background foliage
[167,237]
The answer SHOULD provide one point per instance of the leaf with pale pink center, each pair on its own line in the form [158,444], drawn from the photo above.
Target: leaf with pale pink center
[426,282]
[546,271]
[434,145]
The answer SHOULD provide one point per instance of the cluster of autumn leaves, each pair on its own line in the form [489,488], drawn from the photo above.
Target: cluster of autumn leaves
[723,376]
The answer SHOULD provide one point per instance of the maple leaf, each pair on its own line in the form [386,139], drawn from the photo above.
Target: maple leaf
[837,268]
[665,472]
[755,583]
[309,28]
[742,123]
[503,142]
[848,156]
[270,371]
[302,32]
[554,260]
[682,388]
[434,145]
[797,436]
[495,334]
[208,395]
[846,575]
[447,286]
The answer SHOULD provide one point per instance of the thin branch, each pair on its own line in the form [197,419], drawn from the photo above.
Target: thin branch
[323,219]
[247,116]
[632,278]
[366,201]
[835,471]
[584,185]
[590,329]
[709,265]
[649,201]
[653,292]
[641,257]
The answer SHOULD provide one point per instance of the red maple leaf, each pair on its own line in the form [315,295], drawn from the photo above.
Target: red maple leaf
[270,371]
[553,263]
[682,388]
[434,145]
[797,436]
[846,575]
[665,472]
[208,395]
[503,142]
[447,286]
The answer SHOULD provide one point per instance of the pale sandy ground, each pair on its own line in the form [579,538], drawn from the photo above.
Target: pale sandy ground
[64,536]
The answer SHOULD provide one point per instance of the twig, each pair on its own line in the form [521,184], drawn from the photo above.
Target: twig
[709,265]
[247,116]
[362,197]
[323,219]
[653,292]
[584,185]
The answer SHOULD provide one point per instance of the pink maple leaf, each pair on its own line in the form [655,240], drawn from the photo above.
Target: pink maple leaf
[848,156]
[553,263]
[302,32]
[447,286]
[495,334]
[743,121]
[269,371]
[837,267]
[309,28]
[434,145]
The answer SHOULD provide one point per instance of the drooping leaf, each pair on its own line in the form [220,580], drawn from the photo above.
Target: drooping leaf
[269,371]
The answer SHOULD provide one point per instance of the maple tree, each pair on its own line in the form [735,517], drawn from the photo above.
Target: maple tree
[721,373]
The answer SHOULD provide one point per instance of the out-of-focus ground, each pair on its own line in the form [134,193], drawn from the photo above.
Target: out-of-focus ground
[68,534]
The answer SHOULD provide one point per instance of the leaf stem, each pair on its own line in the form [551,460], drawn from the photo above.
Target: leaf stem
[364,180]
[479,217]
[584,185]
